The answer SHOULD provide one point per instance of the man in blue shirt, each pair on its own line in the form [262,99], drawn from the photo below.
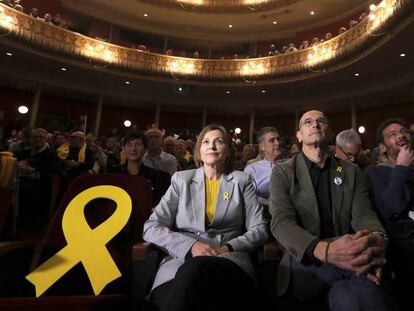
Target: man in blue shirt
[268,139]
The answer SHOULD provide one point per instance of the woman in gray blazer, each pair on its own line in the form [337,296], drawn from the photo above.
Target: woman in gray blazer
[208,223]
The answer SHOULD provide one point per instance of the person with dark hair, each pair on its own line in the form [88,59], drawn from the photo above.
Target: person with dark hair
[268,139]
[392,188]
[321,214]
[135,146]
[208,223]
[36,167]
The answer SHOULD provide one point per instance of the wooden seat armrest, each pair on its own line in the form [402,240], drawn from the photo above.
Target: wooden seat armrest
[140,251]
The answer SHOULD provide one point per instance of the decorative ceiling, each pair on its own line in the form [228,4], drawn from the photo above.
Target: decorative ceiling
[211,19]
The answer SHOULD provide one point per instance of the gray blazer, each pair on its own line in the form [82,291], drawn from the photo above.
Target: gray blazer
[294,208]
[178,221]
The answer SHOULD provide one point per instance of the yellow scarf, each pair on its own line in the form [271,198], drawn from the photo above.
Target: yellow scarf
[7,164]
[63,152]
[122,157]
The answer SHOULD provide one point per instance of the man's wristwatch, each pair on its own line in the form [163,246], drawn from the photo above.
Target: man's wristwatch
[383,234]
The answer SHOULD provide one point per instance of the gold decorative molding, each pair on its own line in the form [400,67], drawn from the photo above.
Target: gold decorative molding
[285,67]
[222,6]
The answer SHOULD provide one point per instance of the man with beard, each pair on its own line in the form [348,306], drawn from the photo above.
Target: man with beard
[321,214]
[392,184]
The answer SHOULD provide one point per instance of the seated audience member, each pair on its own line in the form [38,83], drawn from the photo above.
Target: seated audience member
[8,2]
[208,223]
[322,216]
[196,54]
[135,146]
[294,149]
[113,154]
[8,170]
[18,6]
[35,169]
[268,139]
[291,48]
[362,16]
[142,47]
[48,18]
[315,41]
[328,36]
[352,23]
[184,158]
[393,193]
[190,145]
[341,30]
[58,140]
[348,145]
[34,12]
[169,145]
[249,152]
[155,156]
[304,45]
[22,146]
[76,157]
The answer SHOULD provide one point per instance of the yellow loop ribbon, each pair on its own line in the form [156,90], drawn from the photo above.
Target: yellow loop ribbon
[226,196]
[84,244]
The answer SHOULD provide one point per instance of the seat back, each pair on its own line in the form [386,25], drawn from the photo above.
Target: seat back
[76,282]
[6,199]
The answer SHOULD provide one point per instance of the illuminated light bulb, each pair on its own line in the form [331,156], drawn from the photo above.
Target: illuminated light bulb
[310,56]
[372,7]
[361,129]
[127,123]
[372,17]
[23,109]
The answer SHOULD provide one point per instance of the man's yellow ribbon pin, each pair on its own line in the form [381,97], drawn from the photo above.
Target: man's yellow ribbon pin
[84,244]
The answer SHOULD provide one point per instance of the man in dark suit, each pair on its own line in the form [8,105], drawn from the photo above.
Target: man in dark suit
[321,215]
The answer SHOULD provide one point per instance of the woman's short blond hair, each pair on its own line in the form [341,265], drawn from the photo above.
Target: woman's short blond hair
[227,140]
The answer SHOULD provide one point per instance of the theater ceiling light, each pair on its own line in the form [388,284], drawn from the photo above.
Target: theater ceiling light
[23,109]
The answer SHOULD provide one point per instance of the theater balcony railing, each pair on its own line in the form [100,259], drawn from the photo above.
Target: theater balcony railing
[222,6]
[378,27]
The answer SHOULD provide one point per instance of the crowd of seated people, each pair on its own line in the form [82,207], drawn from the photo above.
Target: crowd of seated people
[157,155]
[292,47]
[56,19]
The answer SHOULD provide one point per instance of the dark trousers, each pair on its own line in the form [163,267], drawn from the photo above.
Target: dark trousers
[342,289]
[208,283]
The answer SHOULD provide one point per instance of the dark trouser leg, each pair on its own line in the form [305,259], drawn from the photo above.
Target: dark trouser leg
[345,291]
[208,283]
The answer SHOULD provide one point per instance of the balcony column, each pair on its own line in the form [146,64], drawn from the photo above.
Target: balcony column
[204,118]
[251,128]
[98,115]
[295,126]
[353,115]
[35,106]
[157,115]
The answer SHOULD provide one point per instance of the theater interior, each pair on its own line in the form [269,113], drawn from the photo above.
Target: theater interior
[180,65]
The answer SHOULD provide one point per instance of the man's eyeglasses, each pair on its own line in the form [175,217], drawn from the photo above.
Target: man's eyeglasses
[310,122]
[348,155]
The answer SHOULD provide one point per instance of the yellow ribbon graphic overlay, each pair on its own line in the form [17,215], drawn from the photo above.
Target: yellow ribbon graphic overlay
[84,244]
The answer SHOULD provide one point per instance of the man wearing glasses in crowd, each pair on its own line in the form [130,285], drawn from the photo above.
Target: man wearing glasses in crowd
[321,214]
[348,145]
[392,185]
